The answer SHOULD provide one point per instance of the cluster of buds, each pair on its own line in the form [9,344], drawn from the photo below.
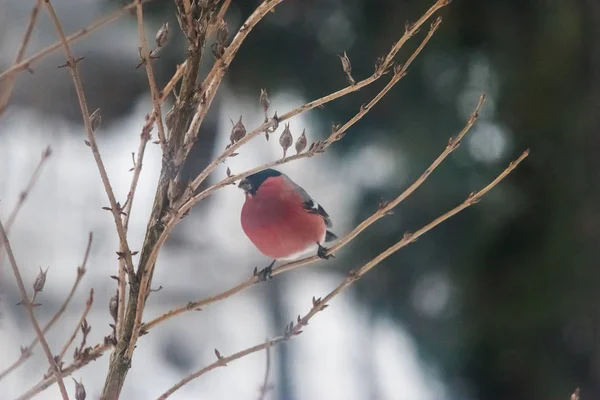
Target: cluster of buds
[286,139]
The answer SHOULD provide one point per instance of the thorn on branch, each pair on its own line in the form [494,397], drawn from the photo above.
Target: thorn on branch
[220,358]
[408,238]
[473,198]
[70,64]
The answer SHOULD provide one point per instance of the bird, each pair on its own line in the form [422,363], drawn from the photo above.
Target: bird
[281,219]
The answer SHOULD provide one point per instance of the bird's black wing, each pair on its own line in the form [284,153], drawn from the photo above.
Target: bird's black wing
[315,208]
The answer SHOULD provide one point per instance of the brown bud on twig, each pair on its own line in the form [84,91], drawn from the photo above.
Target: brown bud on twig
[79,390]
[238,131]
[162,35]
[347,68]
[301,142]
[222,33]
[286,139]
[95,119]
[40,281]
[113,306]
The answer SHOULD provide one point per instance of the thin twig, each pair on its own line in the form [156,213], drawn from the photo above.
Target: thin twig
[380,69]
[172,82]
[453,143]
[265,386]
[114,207]
[25,192]
[86,310]
[29,306]
[215,77]
[93,354]
[10,80]
[82,33]
[145,53]
[336,135]
[137,170]
[26,352]
[223,63]
[319,304]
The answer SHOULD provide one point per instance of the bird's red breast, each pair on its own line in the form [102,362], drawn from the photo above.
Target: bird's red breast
[275,220]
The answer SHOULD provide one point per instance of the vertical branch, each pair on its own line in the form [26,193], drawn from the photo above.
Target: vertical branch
[29,306]
[114,207]
[215,77]
[147,61]
[27,351]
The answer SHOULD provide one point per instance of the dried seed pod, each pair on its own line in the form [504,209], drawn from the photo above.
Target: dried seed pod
[301,142]
[40,281]
[286,139]
[113,306]
[238,131]
[79,390]
[162,35]
[95,119]
[222,33]
[264,100]
[347,67]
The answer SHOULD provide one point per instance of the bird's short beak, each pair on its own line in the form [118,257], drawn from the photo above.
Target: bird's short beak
[245,185]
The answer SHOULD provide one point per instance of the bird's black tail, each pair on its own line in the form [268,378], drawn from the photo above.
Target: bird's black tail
[330,236]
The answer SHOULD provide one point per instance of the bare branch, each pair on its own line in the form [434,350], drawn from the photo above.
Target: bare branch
[380,213]
[294,329]
[213,80]
[336,135]
[146,59]
[26,352]
[25,193]
[89,355]
[265,386]
[114,207]
[29,306]
[82,33]
[9,83]
[333,96]
[86,310]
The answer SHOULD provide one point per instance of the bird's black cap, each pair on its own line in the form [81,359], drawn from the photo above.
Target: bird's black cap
[251,183]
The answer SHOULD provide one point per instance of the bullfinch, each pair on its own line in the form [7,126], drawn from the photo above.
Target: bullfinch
[281,219]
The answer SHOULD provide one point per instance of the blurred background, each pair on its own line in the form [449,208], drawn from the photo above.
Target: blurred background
[498,303]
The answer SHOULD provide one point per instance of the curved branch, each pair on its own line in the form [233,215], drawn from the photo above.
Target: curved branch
[294,329]
[383,210]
